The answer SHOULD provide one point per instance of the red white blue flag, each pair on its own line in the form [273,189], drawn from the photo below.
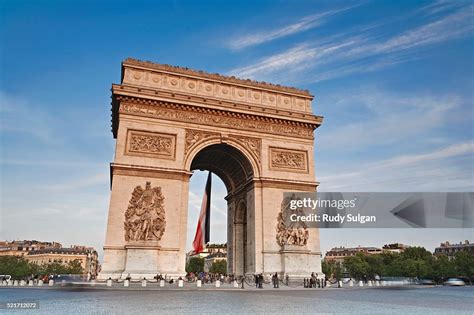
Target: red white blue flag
[204,223]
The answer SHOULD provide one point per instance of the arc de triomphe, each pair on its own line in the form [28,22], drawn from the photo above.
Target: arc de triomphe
[257,137]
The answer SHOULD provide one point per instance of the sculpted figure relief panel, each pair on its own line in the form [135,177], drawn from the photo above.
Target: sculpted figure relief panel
[292,234]
[150,144]
[288,159]
[145,215]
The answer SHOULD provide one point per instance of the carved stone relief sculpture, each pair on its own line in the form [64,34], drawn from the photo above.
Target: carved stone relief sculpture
[145,215]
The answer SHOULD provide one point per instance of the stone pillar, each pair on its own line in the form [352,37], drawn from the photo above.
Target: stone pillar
[126,283]
[162,283]
[51,282]
[180,283]
[144,283]
[199,283]
[218,283]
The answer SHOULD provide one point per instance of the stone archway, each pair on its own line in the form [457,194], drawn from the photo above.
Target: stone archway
[236,171]
[257,137]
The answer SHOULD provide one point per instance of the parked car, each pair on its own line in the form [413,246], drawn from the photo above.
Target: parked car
[426,282]
[454,282]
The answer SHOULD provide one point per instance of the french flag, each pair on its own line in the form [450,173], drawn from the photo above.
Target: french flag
[204,223]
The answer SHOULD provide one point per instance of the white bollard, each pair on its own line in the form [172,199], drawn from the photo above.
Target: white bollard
[199,283]
[384,283]
[361,284]
[162,283]
[351,283]
[109,282]
[51,282]
[126,283]
[144,283]
[377,283]
[328,284]
[370,283]
[2,284]
[9,283]
[15,283]
[30,283]
[40,283]
[236,284]
[340,284]
[63,283]
[218,283]
[180,283]
[93,283]
[22,283]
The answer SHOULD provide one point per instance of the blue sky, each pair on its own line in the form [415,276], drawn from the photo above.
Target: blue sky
[394,80]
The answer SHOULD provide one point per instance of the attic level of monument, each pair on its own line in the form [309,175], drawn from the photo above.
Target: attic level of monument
[153,90]
[148,65]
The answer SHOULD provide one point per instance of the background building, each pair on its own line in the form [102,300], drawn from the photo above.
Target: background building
[451,249]
[22,248]
[338,254]
[210,249]
[212,258]
[394,248]
[41,253]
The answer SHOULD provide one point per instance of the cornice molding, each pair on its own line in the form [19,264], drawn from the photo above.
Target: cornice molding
[207,116]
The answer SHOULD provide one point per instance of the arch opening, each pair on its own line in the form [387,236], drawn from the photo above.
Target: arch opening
[236,172]
[225,161]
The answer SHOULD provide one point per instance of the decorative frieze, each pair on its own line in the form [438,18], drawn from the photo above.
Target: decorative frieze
[217,118]
[254,145]
[144,143]
[286,159]
[194,137]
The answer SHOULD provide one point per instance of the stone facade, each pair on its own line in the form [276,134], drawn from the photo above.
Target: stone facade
[86,256]
[257,137]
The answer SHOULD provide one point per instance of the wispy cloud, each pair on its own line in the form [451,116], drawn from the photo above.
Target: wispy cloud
[303,24]
[384,111]
[432,170]
[20,116]
[340,56]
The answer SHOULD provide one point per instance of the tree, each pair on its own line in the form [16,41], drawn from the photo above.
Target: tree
[375,265]
[15,266]
[357,266]
[195,264]
[332,269]
[74,267]
[443,267]
[219,267]
[464,264]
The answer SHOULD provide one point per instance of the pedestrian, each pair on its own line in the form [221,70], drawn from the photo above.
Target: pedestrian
[257,279]
[275,281]
[260,281]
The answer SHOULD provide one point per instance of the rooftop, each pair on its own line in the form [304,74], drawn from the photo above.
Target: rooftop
[214,76]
